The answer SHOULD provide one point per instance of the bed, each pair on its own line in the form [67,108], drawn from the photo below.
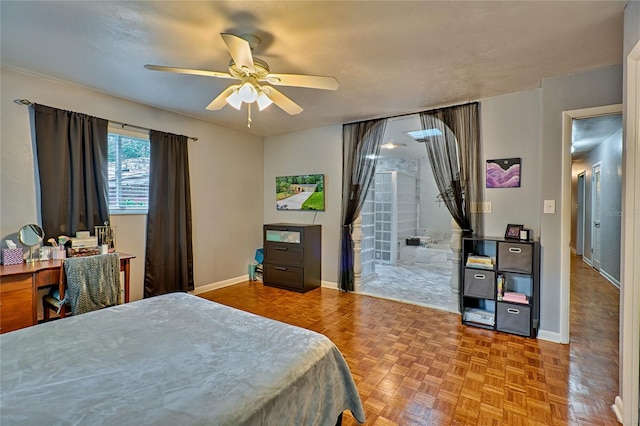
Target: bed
[175,359]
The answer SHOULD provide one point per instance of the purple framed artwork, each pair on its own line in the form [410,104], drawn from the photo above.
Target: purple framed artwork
[503,173]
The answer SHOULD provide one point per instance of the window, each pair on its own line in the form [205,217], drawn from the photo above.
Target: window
[128,171]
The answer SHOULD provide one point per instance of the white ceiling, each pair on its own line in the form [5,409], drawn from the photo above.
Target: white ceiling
[390,57]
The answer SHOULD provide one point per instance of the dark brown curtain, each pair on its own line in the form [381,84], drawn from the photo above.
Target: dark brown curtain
[169,256]
[71,150]
[453,147]
[360,150]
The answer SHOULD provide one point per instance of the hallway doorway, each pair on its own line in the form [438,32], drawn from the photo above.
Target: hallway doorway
[596,190]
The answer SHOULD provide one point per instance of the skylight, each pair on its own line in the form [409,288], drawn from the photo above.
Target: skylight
[422,135]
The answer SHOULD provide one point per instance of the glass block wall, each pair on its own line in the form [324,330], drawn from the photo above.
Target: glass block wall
[407,207]
[384,209]
[367,214]
[396,213]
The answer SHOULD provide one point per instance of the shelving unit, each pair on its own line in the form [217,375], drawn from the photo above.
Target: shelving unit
[501,285]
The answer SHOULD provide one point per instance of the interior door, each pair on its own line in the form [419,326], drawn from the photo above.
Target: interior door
[580,216]
[596,214]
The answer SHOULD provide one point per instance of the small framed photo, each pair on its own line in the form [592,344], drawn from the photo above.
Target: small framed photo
[513,231]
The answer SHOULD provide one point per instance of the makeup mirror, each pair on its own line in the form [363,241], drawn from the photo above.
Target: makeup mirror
[31,235]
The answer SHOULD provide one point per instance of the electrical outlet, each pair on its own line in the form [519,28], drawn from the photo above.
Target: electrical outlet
[484,207]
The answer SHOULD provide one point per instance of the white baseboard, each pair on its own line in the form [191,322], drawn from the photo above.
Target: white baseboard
[329,284]
[220,284]
[587,261]
[610,278]
[617,408]
[549,336]
[237,280]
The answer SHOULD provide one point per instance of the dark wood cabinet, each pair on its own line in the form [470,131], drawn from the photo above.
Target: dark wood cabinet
[292,256]
[501,285]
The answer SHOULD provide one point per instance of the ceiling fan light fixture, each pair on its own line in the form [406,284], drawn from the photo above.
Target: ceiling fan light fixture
[248,92]
[263,101]
[234,99]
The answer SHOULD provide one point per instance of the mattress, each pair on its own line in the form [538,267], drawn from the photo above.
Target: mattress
[173,359]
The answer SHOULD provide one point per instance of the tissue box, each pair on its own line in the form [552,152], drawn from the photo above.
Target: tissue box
[12,256]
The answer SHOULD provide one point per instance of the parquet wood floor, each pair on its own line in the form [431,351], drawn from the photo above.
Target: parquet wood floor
[417,366]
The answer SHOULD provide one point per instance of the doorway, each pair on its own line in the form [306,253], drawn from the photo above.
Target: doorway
[595,135]
[406,228]
[580,215]
[596,215]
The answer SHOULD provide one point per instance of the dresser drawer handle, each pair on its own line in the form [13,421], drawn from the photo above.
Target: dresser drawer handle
[479,277]
[513,311]
[280,268]
[282,248]
[515,250]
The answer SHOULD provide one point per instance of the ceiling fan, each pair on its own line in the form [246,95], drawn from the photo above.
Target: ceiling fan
[256,80]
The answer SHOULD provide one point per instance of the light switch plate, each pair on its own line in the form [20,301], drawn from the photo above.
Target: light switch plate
[549,206]
[484,207]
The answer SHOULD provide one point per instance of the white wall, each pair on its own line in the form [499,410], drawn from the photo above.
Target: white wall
[226,170]
[315,151]
[629,346]
[510,127]
[609,154]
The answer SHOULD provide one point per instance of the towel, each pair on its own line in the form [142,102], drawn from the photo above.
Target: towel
[93,282]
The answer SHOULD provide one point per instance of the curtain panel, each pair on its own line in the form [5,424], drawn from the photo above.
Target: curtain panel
[71,150]
[360,150]
[453,148]
[169,254]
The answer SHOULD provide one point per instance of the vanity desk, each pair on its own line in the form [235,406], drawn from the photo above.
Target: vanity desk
[19,286]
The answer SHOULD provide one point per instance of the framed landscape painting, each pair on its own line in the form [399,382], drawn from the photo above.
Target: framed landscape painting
[503,173]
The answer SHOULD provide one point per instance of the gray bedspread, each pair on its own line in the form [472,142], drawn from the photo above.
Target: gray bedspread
[175,359]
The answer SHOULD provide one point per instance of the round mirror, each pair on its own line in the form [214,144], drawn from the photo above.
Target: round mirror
[31,235]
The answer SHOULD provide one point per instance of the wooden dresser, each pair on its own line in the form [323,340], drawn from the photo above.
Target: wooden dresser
[292,256]
[19,286]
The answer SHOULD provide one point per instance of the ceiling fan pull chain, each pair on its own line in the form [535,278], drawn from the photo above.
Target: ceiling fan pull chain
[249,116]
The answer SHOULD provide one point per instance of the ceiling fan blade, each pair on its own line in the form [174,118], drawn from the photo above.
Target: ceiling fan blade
[189,71]
[282,101]
[221,100]
[240,51]
[298,80]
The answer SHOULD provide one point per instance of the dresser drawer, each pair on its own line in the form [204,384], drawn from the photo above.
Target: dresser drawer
[47,277]
[283,254]
[16,308]
[513,318]
[283,276]
[515,257]
[478,283]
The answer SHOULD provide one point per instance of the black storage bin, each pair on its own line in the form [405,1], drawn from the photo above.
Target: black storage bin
[479,283]
[515,257]
[513,318]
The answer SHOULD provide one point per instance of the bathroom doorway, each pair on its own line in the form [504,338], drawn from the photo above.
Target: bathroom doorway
[406,228]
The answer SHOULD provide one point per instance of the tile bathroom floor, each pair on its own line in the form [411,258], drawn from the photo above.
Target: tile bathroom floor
[419,284]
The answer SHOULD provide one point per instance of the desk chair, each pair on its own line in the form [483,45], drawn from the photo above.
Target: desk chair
[86,284]
[55,300]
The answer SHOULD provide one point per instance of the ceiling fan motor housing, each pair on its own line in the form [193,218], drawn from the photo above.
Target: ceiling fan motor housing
[260,66]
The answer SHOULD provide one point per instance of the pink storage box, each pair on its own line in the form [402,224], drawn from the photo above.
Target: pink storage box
[12,256]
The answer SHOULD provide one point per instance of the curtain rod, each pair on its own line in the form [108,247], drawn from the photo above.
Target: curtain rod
[418,111]
[28,102]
